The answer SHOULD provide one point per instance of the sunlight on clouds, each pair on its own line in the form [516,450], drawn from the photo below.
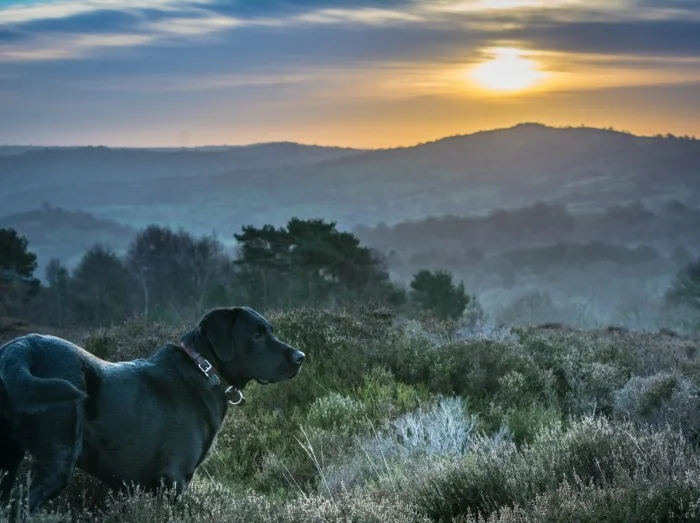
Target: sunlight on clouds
[68,47]
[30,12]
[195,26]
[571,9]
[368,16]
[507,70]
[461,6]
[187,83]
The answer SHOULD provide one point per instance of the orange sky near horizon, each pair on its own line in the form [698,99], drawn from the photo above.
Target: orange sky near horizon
[349,73]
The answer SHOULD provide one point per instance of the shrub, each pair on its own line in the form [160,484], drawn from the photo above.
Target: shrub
[661,399]
[207,501]
[136,337]
[385,398]
[636,499]
[337,412]
[443,429]
[438,430]
[525,423]
[592,452]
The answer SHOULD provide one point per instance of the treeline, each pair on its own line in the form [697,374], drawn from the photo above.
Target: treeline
[540,261]
[173,276]
[538,224]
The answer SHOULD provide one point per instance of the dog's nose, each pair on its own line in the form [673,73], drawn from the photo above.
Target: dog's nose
[298,357]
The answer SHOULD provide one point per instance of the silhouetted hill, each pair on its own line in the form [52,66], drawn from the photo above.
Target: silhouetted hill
[83,165]
[584,168]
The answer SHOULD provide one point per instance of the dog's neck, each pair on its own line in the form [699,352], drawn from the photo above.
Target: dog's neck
[200,351]
[195,341]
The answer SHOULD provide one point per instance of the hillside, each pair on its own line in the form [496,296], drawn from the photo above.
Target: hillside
[582,167]
[87,165]
[66,235]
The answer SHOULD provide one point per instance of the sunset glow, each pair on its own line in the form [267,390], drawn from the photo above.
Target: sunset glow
[355,73]
[508,70]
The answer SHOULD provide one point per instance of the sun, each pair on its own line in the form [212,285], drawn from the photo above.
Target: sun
[508,70]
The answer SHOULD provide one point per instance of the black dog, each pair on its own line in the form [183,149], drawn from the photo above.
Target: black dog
[142,422]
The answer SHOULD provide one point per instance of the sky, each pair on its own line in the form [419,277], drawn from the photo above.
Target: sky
[354,73]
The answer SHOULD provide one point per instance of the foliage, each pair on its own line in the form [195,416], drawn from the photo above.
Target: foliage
[435,293]
[593,455]
[101,288]
[177,273]
[15,255]
[661,399]
[310,262]
[17,264]
[388,422]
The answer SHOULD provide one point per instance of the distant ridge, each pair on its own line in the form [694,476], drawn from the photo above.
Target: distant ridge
[19,148]
[582,167]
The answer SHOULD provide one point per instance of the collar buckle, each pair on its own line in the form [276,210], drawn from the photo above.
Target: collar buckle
[210,372]
[241,397]
[206,370]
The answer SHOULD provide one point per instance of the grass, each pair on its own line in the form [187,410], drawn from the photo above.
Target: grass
[391,422]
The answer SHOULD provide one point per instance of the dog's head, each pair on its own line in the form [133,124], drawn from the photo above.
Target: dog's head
[246,348]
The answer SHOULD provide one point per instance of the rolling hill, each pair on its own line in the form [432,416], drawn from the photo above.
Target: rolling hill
[222,189]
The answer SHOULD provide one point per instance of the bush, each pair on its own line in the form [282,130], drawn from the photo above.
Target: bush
[636,500]
[525,423]
[136,337]
[472,369]
[592,452]
[443,429]
[661,399]
[437,430]
[336,412]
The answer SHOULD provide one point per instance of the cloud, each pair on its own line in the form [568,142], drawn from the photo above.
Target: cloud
[269,62]
[662,37]
[186,83]
[73,46]
[53,30]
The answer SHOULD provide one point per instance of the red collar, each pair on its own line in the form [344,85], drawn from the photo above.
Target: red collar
[213,376]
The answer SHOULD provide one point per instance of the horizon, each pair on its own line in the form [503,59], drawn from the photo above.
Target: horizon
[610,129]
[353,73]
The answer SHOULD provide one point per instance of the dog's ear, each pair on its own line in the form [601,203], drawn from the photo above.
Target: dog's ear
[217,327]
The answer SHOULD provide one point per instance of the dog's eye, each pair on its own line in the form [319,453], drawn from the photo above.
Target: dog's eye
[258,334]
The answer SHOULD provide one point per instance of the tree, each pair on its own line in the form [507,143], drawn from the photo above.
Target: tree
[101,288]
[204,265]
[58,279]
[17,265]
[310,262]
[14,254]
[434,292]
[264,262]
[152,259]
[685,289]
[177,273]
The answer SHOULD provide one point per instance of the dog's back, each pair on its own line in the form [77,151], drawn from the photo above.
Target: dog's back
[37,371]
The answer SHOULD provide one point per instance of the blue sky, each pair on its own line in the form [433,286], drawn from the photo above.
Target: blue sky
[346,72]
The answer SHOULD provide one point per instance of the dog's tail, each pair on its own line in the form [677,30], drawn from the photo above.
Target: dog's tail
[24,392]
